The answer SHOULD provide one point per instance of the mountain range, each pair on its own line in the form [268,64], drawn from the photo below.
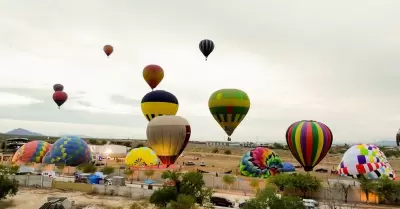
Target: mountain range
[23,132]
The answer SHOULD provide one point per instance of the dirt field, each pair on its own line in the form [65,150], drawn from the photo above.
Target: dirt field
[28,198]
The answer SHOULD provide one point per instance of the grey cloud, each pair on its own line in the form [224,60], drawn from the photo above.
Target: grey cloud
[124,100]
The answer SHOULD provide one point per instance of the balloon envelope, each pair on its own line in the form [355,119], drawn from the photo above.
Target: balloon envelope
[153,75]
[159,102]
[68,150]
[142,156]
[365,160]
[229,107]
[260,162]
[287,167]
[108,49]
[31,152]
[206,47]
[60,97]
[309,142]
[58,87]
[168,137]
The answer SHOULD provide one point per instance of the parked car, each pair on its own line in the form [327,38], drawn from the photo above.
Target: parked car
[221,201]
[190,163]
[202,164]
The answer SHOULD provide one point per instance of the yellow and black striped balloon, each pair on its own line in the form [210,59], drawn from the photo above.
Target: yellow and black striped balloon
[159,102]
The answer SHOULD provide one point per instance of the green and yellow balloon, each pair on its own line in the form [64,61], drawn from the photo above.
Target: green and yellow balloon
[229,107]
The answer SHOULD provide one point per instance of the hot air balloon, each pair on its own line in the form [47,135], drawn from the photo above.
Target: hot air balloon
[260,162]
[59,98]
[153,75]
[229,107]
[168,137]
[141,156]
[398,137]
[108,49]
[68,150]
[33,151]
[206,47]
[309,141]
[159,102]
[365,160]
[58,87]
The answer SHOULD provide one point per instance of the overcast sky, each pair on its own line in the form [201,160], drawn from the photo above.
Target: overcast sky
[336,62]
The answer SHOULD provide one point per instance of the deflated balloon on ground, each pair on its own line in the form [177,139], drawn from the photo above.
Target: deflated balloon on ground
[260,162]
[365,160]
[142,156]
[31,152]
[68,150]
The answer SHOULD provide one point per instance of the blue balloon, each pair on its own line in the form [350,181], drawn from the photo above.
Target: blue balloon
[68,150]
[287,167]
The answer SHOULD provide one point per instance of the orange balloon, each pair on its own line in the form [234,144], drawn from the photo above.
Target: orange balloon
[108,49]
[153,75]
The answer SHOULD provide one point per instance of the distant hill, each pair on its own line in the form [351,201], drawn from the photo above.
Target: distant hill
[23,132]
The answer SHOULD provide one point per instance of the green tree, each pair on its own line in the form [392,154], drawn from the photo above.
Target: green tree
[163,196]
[267,198]
[103,142]
[305,183]
[228,180]
[193,184]
[344,189]
[387,189]
[227,152]
[87,168]
[173,175]
[215,150]
[107,170]
[93,141]
[8,187]
[129,173]
[149,173]
[368,186]
[255,185]
[281,181]
[277,145]
[183,202]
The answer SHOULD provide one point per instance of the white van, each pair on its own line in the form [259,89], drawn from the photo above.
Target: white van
[310,203]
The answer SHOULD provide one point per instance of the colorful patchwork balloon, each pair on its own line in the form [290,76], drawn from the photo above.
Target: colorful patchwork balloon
[260,162]
[68,150]
[142,156]
[365,160]
[309,141]
[31,152]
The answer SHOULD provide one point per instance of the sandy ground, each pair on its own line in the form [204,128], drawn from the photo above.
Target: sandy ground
[29,198]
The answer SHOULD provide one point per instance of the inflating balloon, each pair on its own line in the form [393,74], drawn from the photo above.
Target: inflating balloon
[108,49]
[68,150]
[58,87]
[153,75]
[365,160]
[309,141]
[260,162]
[159,102]
[60,98]
[142,156]
[168,137]
[229,107]
[206,47]
[287,167]
[31,152]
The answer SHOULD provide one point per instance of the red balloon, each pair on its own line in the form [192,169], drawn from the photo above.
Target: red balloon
[108,49]
[59,98]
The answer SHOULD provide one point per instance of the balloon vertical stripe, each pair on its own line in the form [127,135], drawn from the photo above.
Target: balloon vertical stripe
[309,142]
